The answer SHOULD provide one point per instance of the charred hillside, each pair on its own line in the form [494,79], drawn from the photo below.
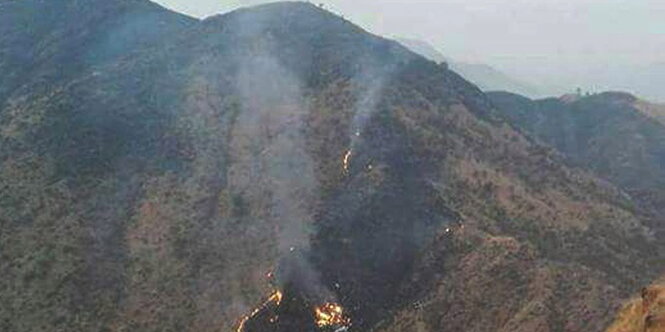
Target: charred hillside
[279,168]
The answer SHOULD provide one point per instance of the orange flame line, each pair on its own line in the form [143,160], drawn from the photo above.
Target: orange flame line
[346,160]
[276,297]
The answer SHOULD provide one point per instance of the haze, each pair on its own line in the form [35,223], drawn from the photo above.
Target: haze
[557,45]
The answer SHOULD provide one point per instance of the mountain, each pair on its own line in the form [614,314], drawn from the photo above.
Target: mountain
[640,79]
[620,138]
[643,80]
[616,135]
[41,42]
[486,77]
[277,168]
[423,48]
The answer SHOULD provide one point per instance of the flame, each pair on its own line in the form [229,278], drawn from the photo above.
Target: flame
[275,297]
[331,315]
[346,160]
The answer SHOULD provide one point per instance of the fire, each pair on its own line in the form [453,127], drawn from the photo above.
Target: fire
[346,160]
[331,315]
[275,297]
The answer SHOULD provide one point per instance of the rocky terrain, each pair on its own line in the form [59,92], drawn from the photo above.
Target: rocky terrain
[644,314]
[159,173]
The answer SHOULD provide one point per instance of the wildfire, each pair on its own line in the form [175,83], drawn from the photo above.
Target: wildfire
[331,315]
[346,160]
[275,297]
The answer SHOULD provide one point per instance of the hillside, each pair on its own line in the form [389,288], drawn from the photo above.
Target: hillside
[42,42]
[654,110]
[280,152]
[616,135]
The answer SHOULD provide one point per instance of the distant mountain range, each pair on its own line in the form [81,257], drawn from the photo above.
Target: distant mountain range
[484,76]
[645,81]
[277,168]
[642,80]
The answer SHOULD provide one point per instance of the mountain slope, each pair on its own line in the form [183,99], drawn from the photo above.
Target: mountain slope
[155,192]
[42,42]
[617,136]
[656,111]
[614,134]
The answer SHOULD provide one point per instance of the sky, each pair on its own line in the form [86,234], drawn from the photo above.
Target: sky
[531,39]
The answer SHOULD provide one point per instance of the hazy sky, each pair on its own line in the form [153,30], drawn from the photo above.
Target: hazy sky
[527,38]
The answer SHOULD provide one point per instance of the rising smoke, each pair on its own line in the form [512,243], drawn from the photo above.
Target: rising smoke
[369,84]
[272,134]
[269,136]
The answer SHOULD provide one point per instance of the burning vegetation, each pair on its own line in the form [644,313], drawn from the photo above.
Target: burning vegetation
[274,300]
[346,160]
[270,316]
[331,315]
[291,310]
